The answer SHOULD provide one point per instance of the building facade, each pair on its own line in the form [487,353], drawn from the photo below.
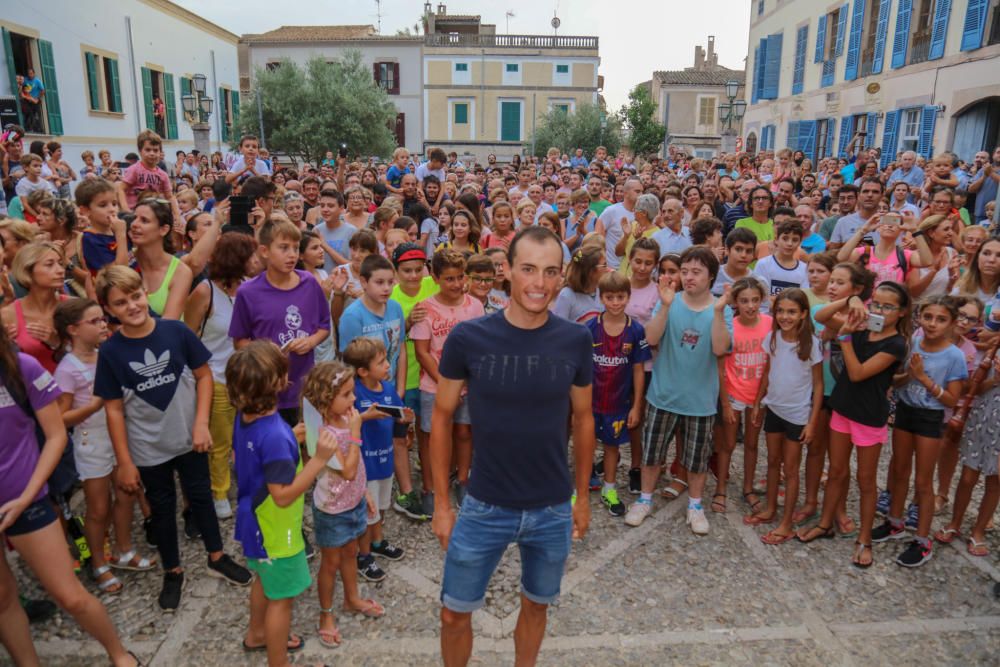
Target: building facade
[484,92]
[920,75]
[687,102]
[395,62]
[106,66]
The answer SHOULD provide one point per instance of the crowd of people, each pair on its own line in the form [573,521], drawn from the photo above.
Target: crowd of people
[275,333]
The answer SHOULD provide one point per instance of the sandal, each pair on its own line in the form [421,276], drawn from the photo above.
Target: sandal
[774,539]
[111,586]
[130,560]
[848,528]
[329,638]
[295,643]
[372,609]
[801,516]
[758,520]
[859,552]
[755,505]
[977,548]
[670,493]
[947,535]
[716,503]
[811,533]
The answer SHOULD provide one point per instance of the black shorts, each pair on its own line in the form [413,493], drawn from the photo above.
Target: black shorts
[35,516]
[775,424]
[924,422]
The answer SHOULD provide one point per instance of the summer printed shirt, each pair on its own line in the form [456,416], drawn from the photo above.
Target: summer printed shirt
[333,494]
[357,321]
[376,434]
[440,320]
[745,366]
[138,179]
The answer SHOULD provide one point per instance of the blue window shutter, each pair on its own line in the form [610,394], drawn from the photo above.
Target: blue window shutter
[880,33]
[939,29]
[845,135]
[754,86]
[763,139]
[799,72]
[831,132]
[925,141]
[872,129]
[770,137]
[792,141]
[854,43]
[889,138]
[820,39]
[772,67]
[975,21]
[841,30]
[828,71]
[901,38]
[807,138]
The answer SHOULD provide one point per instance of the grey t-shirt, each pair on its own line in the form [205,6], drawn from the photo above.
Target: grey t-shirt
[337,238]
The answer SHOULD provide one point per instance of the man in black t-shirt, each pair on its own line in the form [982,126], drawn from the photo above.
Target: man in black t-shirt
[520,365]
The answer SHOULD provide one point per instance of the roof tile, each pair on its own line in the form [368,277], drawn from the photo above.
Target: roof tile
[698,78]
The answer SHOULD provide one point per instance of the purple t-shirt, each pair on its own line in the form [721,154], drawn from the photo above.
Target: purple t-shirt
[19,446]
[264,311]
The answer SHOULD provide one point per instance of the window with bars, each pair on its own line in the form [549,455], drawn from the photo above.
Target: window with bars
[387,77]
[909,130]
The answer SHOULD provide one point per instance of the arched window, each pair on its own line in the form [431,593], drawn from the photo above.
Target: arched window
[752,143]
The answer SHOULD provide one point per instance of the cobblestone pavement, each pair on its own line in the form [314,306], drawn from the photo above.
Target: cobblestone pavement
[650,595]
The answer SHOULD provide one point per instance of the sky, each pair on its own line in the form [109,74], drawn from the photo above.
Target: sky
[637,37]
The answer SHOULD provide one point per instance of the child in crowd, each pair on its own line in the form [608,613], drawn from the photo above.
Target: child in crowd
[342,504]
[443,311]
[284,305]
[620,351]
[153,377]
[32,182]
[781,270]
[550,221]
[145,175]
[818,268]
[480,273]
[503,226]
[272,482]
[82,327]
[372,391]
[499,296]
[463,234]
[393,178]
[742,374]
[250,165]
[311,261]
[740,247]
[578,300]
[791,392]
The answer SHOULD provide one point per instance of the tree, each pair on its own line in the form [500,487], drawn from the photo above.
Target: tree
[308,111]
[645,133]
[578,129]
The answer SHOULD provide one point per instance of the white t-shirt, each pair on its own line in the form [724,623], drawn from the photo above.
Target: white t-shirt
[423,171]
[430,227]
[777,278]
[260,168]
[612,221]
[789,379]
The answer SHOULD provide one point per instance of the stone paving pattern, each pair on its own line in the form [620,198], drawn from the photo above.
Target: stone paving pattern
[656,594]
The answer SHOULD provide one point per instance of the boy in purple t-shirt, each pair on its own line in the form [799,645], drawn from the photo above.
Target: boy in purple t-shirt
[283,305]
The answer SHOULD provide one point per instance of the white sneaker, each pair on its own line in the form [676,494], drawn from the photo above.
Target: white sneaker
[637,513]
[696,519]
[222,509]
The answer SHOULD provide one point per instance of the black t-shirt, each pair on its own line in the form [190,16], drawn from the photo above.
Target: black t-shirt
[519,383]
[867,402]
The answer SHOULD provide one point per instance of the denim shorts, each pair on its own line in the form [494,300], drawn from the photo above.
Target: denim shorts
[427,409]
[411,399]
[479,539]
[336,530]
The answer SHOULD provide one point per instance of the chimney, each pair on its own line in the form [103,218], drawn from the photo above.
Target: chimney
[442,9]
[699,58]
[713,57]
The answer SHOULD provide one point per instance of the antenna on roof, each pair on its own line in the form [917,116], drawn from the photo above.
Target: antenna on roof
[378,10]
[510,14]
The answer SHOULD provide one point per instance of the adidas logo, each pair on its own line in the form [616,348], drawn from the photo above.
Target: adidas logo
[152,365]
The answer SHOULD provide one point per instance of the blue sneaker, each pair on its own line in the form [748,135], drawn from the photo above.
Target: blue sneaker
[912,517]
[883,502]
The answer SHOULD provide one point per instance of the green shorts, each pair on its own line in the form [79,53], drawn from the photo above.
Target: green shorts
[282,578]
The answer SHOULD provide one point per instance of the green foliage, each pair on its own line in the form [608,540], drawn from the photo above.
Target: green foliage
[579,129]
[645,133]
[308,111]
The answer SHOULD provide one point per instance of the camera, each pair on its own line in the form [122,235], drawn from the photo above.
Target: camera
[239,210]
[875,322]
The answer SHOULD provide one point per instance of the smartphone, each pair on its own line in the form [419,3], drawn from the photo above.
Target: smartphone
[342,151]
[875,322]
[391,410]
[894,219]
[239,210]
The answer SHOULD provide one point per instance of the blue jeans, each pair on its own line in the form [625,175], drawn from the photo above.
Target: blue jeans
[481,536]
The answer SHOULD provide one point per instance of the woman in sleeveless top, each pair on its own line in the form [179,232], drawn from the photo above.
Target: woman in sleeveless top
[166,278]
[28,321]
[208,313]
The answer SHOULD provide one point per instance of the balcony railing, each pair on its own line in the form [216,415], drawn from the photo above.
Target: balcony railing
[919,47]
[512,41]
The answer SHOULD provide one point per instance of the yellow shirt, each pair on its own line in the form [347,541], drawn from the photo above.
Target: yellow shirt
[625,268]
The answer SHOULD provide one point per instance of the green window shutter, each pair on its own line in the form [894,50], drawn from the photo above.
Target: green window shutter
[221,104]
[185,86]
[8,52]
[92,84]
[562,69]
[235,105]
[510,121]
[461,114]
[116,90]
[147,98]
[170,102]
[52,109]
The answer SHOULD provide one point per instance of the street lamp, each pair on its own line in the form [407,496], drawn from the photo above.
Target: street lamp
[731,113]
[197,110]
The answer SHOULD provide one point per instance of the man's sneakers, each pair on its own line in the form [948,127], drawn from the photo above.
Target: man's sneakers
[170,593]
[638,512]
[883,502]
[191,530]
[912,517]
[610,499]
[387,550]
[223,510]
[916,554]
[697,520]
[427,503]
[228,569]
[635,481]
[38,610]
[596,481]
[409,504]
[888,531]
[369,569]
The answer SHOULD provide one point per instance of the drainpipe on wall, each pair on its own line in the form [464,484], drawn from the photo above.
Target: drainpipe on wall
[131,60]
[482,93]
[218,103]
